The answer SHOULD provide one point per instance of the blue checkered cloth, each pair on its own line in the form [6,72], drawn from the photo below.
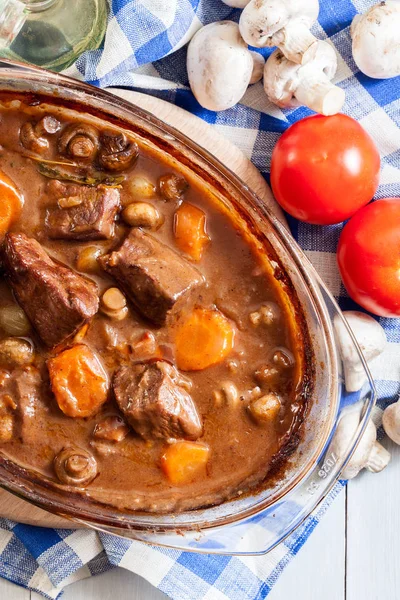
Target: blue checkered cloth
[144,49]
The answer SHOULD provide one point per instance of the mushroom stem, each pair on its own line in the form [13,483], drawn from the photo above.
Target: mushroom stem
[258,67]
[319,94]
[378,458]
[294,40]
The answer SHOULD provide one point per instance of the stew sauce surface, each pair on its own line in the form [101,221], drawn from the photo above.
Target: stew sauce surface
[235,416]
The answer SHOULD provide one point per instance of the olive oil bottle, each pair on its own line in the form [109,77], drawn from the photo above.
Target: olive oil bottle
[51,33]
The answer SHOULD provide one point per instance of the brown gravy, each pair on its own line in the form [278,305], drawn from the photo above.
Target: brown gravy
[265,365]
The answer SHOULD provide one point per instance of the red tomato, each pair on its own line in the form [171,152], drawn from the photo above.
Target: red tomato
[369,257]
[324,169]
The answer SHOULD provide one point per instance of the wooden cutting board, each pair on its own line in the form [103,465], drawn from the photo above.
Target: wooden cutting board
[206,136]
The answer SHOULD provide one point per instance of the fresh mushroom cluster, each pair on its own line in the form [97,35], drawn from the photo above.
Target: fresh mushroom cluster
[221,66]
[371,338]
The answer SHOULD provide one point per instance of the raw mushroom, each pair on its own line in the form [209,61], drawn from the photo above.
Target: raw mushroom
[369,454]
[219,65]
[75,466]
[236,3]
[375,35]
[117,153]
[258,67]
[288,84]
[282,23]
[391,421]
[79,141]
[371,338]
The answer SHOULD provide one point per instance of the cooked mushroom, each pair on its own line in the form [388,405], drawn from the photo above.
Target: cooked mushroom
[75,466]
[282,23]
[47,125]
[79,141]
[31,140]
[375,35]
[142,214]
[113,304]
[15,352]
[219,65]
[32,135]
[290,84]
[172,187]
[117,153]
[112,429]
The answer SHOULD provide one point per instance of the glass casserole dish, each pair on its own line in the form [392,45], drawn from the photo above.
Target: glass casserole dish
[312,469]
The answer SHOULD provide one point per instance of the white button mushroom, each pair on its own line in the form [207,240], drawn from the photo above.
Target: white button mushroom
[391,421]
[236,3]
[219,65]
[258,67]
[376,35]
[282,23]
[369,454]
[290,84]
[371,338]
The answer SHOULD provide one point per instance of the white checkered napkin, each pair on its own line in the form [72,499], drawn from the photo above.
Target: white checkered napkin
[141,32]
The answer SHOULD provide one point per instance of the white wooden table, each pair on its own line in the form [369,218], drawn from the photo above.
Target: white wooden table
[352,555]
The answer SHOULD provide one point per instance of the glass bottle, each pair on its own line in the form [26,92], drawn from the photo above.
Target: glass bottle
[51,33]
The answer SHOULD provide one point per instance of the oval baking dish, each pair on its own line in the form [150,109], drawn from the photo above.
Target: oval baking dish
[304,470]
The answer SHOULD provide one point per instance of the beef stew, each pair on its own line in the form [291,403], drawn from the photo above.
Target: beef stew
[158,367]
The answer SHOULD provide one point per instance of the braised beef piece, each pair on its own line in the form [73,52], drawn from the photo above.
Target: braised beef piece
[56,299]
[153,402]
[152,275]
[83,213]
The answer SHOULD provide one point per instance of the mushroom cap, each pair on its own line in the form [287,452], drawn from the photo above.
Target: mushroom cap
[79,140]
[258,67]
[371,338]
[236,3]
[219,65]
[391,422]
[345,431]
[376,48]
[281,79]
[321,56]
[262,19]
[75,466]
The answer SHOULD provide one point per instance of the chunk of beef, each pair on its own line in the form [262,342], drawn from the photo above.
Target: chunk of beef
[56,299]
[153,402]
[83,213]
[152,275]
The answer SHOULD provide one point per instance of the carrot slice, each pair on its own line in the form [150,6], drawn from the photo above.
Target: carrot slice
[10,203]
[204,338]
[190,230]
[78,381]
[184,461]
